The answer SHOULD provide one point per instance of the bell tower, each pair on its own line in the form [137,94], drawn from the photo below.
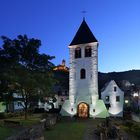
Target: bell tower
[83,77]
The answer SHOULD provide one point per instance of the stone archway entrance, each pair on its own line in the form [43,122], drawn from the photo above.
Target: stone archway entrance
[83,110]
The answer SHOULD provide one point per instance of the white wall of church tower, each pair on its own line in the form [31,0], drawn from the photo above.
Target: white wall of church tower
[72,82]
[94,71]
[83,77]
[89,85]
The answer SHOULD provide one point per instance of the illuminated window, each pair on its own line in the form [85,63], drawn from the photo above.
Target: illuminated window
[107,98]
[88,51]
[117,98]
[78,52]
[82,74]
[115,89]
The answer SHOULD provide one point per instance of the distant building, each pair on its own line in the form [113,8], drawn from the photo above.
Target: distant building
[113,98]
[62,67]
[50,103]
[126,83]
[16,104]
[2,107]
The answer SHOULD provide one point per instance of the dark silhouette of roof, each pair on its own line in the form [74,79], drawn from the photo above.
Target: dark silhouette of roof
[83,35]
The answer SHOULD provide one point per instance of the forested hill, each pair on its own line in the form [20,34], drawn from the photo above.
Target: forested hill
[133,76]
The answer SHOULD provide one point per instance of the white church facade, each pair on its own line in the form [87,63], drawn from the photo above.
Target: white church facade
[83,77]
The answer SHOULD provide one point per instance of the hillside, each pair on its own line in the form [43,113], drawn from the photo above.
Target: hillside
[133,76]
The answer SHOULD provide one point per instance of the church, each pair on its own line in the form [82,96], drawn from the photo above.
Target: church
[83,77]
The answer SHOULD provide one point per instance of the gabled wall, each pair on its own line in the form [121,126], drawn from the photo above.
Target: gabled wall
[116,108]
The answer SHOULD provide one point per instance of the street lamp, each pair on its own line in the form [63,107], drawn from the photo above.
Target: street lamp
[126,101]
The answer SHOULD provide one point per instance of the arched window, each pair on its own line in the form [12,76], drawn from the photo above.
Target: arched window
[78,52]
[88,51]
[82,74]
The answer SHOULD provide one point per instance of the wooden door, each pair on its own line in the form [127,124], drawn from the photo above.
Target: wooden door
[83,110]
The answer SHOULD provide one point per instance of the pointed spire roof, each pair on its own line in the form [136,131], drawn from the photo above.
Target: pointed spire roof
[83,35]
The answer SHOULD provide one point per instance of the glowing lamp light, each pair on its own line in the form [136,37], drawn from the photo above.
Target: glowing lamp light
[126,101]
[135,94]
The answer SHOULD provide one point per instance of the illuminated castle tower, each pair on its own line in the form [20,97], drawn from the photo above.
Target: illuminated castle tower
[62,67]
[83,78]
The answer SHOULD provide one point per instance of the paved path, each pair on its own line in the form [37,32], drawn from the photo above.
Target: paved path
[90,129]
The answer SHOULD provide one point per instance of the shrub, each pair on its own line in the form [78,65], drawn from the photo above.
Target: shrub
[44,115]
[128,124]
[30,111]
[38,110]
[135,129]
[2,116]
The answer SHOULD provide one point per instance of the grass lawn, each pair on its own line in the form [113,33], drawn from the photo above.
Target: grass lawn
[131,127]
[66,131]
[6,131]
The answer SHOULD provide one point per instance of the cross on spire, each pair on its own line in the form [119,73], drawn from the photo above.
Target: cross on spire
[84,12]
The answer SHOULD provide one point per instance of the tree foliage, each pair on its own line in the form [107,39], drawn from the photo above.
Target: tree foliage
[23,68]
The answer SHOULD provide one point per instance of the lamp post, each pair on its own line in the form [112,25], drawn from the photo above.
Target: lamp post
[126,104]
[127,112]
[136,101]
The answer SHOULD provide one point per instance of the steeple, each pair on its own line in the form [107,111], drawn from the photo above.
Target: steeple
[83,35]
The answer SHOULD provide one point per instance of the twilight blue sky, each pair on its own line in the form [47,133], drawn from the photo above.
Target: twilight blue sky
[115,23]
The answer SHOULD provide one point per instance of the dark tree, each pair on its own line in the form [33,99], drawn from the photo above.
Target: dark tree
[23,67]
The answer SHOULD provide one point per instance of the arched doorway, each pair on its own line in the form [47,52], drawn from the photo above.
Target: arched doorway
[83,110]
